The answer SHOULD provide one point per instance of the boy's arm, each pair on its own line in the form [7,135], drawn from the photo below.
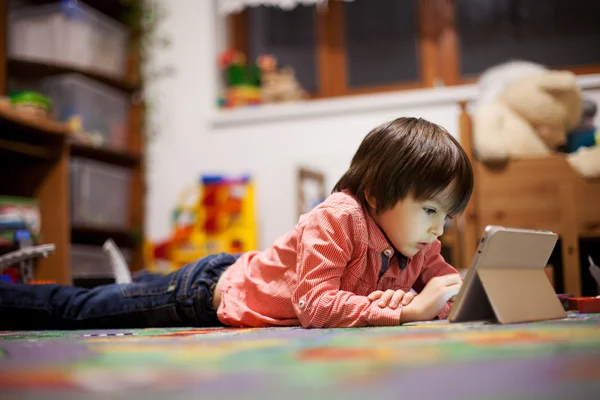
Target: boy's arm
[326,246]
[435,265]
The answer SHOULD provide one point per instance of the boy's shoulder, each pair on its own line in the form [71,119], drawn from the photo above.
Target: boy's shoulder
[342,201]
[341,204]
[345,210]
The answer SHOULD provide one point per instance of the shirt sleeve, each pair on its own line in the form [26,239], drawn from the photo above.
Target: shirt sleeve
[327,245]
[435,265]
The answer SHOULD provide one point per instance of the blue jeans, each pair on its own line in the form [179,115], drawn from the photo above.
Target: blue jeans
[182,298]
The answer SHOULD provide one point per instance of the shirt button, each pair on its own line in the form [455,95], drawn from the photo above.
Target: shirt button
[301,303]
[388,252]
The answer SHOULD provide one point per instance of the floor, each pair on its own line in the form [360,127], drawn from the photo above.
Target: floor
[544,360]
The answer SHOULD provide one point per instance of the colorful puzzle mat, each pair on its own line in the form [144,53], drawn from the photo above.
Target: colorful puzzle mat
[543,360]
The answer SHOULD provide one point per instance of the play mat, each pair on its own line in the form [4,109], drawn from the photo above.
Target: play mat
[544,360]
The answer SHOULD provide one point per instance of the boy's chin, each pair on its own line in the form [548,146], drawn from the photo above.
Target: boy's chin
[408,251]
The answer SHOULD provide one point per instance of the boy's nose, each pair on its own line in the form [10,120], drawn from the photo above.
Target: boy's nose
[437,230]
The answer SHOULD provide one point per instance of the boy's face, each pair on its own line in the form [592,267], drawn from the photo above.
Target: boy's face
[412,225]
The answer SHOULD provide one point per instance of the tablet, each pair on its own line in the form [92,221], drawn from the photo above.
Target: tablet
[506,282]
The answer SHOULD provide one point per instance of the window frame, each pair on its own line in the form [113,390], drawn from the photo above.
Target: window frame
[438,44]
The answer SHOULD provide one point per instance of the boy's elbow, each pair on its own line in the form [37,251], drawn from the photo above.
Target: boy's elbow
[311,317]
[318,312]
[308,325]
[308,320]
[320,318]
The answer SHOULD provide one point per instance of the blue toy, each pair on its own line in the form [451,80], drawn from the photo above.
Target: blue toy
[585,134]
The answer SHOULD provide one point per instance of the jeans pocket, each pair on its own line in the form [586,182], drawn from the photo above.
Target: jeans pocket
[154,288]
[150,304]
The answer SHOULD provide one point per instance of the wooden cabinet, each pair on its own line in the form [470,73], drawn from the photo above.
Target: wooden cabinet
[35,155]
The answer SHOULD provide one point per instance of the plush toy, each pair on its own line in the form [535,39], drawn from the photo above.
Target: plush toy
[525,110]
[278,84]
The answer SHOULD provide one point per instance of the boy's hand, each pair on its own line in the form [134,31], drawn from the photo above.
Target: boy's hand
[391,298]
[433,297]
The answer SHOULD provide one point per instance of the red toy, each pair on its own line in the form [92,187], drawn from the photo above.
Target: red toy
[588,304]
[585,305]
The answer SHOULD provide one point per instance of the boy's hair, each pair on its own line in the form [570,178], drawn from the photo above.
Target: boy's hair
[409,156]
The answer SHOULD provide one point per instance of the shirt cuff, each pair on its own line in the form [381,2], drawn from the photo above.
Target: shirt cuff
[445,311]
[383,316]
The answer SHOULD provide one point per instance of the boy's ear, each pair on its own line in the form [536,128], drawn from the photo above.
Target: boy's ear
[371,200]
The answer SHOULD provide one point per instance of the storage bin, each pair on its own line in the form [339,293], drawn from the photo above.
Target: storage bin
[69,33]
[100,194]
[97,110]
[93,262]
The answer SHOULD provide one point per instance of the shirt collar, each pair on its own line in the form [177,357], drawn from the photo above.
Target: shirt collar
[377,240]
[379,243]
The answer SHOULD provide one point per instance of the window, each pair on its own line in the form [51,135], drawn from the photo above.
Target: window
[367,46]
[556,33]
[381,43]
[288,35]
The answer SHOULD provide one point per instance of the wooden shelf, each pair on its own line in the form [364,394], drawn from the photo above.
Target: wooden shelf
[24,138]
[14,120]
[12,151]
[39,138]
[125,159]
[28,69]
[92,235]
[35,153]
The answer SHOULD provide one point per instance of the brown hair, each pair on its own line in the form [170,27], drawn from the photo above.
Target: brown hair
[409,156]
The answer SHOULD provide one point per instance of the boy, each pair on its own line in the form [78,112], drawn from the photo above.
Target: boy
[351,261]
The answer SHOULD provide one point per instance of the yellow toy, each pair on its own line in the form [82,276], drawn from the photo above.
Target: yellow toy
[222,220]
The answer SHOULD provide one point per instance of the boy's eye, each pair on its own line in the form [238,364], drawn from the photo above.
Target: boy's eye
[429,211]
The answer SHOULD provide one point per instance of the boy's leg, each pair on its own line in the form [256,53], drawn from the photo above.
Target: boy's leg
[134,305]
[146,276]
[177,299]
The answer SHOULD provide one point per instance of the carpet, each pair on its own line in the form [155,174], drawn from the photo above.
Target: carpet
[543,360]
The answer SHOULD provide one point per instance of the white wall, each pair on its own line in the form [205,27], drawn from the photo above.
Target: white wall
[273,151]
[192,141]
[181,106]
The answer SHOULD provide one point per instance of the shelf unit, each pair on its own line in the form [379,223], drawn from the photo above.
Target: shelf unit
[35,156]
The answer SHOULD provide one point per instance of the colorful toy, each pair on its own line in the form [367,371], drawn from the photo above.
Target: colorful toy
[18,213]
[31,103]
[220,218]
[585,134]
[242,81]
[260,82]
[24,258]
[20,223]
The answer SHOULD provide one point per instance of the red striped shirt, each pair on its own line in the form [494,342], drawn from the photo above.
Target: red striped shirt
[319,274]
